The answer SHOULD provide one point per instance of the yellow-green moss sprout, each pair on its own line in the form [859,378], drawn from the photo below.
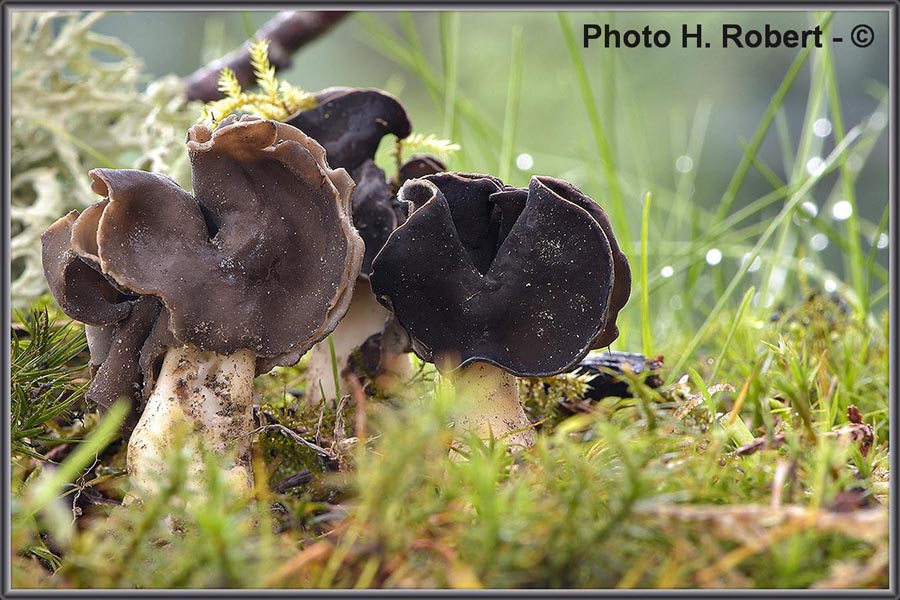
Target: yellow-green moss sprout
[422,143]
[276,100]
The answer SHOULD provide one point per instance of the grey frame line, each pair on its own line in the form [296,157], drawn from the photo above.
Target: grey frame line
[891,6]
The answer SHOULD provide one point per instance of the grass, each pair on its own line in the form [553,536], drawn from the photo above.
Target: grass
[43,358]
[598,495]
[601,137]
[747,469]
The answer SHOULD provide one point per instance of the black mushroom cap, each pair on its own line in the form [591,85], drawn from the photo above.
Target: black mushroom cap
[622,281]
[376,211]
[349,123]
[262,256]
[522,279]
[419,165]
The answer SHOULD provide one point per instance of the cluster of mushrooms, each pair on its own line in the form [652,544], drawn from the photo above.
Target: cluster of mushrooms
[292,234]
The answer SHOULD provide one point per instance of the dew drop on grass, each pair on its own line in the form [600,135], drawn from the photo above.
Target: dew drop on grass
[684,164]
[818,242]
[822,127]
[807,265]
[714,256]
[878,120]
[829,285]
[842,210]
[524,161]
[675,303]
[754,266]
[855,162]
[667,271]
[765,302]
[815,166]
[883,240]
[810,208]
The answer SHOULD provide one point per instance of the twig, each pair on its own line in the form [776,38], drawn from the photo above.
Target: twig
[748,523]
[80,484]
[287,32]
[319,422]
[294,436]
[340,428]
[784,469]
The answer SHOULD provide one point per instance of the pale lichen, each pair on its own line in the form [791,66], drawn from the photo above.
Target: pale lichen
[78,101]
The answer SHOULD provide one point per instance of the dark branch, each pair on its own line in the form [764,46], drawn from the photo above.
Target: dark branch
[287,32]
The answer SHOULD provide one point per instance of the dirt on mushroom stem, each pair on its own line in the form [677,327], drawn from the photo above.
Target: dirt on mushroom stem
[202,403]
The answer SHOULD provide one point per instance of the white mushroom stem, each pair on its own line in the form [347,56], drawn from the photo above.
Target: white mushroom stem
[394,371]
[202,403]
[364,318]
[490,398]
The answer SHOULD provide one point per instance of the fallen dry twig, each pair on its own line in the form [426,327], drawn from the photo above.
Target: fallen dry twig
[294,436]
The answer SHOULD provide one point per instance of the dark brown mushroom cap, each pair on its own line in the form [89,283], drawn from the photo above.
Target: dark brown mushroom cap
[419,165]
[262,256]
[115,324]
[84,233]
[483,272]
[350,123]
[153,351]
[81,291]
[119,375]
[373,212]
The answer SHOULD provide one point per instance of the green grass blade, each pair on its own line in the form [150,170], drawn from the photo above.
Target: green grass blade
[645,287]
[417,54]
[783,130]
[334,370]
[601,137]
[784,215]
[247,22]
[737,180]
[81,457]
[821,224]
[738,317]
[510,118]
[386,42]
[809,145]
[450,57]
[856,263]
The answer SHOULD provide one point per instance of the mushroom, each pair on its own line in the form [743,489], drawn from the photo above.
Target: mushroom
[253,268]
[493,282]
[116,324]
[376,213]
[350,124]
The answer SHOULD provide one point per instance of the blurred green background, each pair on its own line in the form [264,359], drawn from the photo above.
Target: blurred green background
[663,87]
